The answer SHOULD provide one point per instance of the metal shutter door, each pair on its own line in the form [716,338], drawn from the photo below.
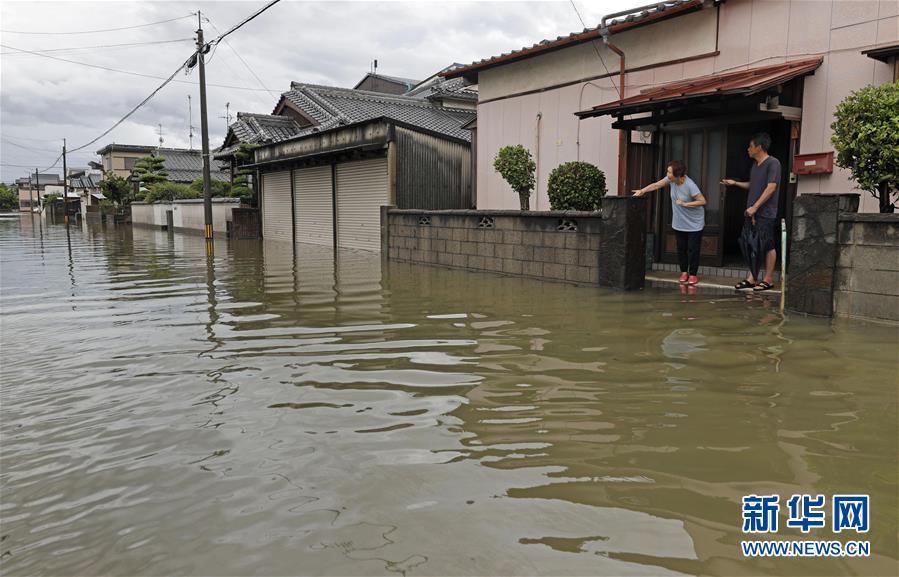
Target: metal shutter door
[314,213]
[361,191]
[276,209]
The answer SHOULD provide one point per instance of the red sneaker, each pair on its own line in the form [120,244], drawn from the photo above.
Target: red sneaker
[683,278]
[693,280]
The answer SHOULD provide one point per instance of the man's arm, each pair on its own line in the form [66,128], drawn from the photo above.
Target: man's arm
[737,183]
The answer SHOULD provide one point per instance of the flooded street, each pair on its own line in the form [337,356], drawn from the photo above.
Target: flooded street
[266,413]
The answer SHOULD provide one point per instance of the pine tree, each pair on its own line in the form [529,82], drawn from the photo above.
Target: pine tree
[150,171]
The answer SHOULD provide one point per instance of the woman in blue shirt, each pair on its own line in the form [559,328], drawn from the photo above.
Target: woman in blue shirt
[687,217]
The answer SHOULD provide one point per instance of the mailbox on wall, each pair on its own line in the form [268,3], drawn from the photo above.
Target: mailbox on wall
[818,163]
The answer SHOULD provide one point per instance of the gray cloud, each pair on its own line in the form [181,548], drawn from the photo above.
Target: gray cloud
[43,100]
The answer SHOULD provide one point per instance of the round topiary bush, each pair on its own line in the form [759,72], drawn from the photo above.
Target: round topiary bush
[515,165]
[576,186]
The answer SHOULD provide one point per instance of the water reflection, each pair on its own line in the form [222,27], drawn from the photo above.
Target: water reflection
[272,410]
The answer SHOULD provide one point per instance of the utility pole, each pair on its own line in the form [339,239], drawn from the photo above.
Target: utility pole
[65,185]
[37,183]
[31,194]
[204,134]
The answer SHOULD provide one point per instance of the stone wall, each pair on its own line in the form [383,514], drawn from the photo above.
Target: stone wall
[604,248]
[867,273]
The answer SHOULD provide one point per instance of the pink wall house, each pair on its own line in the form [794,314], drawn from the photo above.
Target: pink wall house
[779,66]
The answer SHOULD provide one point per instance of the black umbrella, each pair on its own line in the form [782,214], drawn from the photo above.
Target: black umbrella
[750,242]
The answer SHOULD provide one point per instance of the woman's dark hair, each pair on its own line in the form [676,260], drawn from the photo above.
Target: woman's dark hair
[762,140]
[677,168]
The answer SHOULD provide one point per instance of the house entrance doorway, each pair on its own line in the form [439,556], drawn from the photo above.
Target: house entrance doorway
[712,151]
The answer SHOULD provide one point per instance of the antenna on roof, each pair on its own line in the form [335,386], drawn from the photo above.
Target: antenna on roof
[227,116]
[375,69]
[190,123]
[161,139]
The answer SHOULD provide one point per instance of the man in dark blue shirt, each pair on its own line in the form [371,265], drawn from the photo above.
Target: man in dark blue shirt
[761,206]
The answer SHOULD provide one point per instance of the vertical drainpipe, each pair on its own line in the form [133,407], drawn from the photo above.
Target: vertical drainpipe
[391,164]
[537,160]
[622,136]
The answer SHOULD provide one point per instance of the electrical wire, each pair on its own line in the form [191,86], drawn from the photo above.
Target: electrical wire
[104,46]
[129,72]
[236,53]
[595,49]
[8,141]
[103,30]
[245,21]
[187,64]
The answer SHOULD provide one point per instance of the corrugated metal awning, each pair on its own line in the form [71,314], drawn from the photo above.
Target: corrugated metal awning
[730,84]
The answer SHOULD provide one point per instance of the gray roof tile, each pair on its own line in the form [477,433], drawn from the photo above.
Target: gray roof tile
[348,106]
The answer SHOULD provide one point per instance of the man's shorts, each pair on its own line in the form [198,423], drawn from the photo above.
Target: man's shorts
[767,229]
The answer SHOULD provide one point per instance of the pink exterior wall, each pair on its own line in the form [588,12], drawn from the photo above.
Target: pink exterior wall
[750,33]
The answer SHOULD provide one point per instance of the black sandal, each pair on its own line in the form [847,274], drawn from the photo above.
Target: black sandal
[743,285]
[762,286]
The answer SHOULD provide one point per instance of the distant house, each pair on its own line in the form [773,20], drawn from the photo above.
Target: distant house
[32,189]
[86,186]
[354,152]
[183,165]
[454,93]
[373,82]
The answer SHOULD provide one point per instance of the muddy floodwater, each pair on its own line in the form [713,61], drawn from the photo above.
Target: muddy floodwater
[276,412]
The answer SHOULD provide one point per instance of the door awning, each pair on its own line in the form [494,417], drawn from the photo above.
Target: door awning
[707,88]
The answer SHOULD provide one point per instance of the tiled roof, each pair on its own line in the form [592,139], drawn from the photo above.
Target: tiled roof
[86,181]
[440,88]
[741,82]
[253,128]
[409,82]
[333,107]
[662,10]
[185,165]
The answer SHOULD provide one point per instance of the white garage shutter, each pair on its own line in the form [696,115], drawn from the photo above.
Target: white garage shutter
[276,211]
[314,213]
[361,191]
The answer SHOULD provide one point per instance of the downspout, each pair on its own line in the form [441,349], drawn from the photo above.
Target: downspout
[622,136]
[537,160]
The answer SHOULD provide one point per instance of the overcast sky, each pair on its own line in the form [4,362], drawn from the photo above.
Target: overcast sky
[43,100]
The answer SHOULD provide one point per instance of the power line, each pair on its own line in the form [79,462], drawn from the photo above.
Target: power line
[186,64]
[129,72]
[246,20]
[103,30]
[7,141]
[595,49]
[142,102]
[236,53]
[75,48]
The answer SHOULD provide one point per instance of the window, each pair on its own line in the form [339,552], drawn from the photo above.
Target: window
[130,162]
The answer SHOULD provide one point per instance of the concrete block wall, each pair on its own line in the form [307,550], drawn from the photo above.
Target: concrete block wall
[593,248]
[187,215]
[867,274]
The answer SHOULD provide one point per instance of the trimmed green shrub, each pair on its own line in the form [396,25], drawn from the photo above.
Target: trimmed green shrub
[576,186]
[169,191]
[866,138]
[517,167]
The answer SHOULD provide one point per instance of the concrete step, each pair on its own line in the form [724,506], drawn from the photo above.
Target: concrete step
[716,282]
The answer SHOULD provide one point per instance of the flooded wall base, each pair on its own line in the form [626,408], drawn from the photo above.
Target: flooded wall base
[843,263]
[605,248]
[867,273]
